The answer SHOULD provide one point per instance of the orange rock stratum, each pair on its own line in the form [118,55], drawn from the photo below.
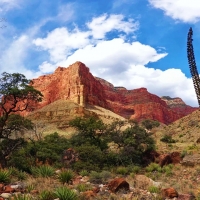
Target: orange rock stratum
[77,84]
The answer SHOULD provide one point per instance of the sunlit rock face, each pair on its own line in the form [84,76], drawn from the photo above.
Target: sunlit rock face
[77,84]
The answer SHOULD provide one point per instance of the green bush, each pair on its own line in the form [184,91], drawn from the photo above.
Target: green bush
[46,195]
[22,197]
[84,172]
[168,170]
[64,193]
[153,167]
[122,170]
[167,139]
[66,176]
[134,168]
[95,177]
[43,171]
[4,176]
[82,187]
[154,189]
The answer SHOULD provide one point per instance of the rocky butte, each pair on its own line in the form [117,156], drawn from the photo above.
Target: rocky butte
[77,84]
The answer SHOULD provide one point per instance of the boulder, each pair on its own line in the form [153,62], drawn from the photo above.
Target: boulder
[191,160]
[171,158]
[164,159]
[88,195]
[176,157]
[169,193]
[118,184]
[186,197]
[144,182]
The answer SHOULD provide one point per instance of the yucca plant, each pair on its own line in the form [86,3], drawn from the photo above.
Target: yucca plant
[4,176]
[29,188]
[43,171]
[66,176]
[13,171]
[22,175]
[84,172]
[82,187]
[64,193]
[46,195]
[21,197]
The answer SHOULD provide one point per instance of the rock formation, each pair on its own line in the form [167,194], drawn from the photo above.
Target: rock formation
[77,84]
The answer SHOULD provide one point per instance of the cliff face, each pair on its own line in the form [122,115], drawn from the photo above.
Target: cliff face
[77,84]
[178,105]
[74,83]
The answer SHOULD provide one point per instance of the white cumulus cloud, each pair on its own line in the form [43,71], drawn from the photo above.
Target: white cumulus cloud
[118,61]
[183,10]
[104,24]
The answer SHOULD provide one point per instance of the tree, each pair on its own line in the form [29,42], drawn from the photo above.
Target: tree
[16,95]
[90,131]
[149,124]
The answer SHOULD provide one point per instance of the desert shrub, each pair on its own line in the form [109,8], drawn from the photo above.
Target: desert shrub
[167,139]
[90,131]
[29,188]
[44,151]
[64,193]
[95,177]
[99,177]
[92,158]
[153,167]
[46,195]
[84,172]
[22,197]
[4,176]
[134,168]
[149,124]
[122,170]
[154,189]
[66,176]
[105,175]
[20,175]
[134,142]
[82,187]
[43,171]
[167,169]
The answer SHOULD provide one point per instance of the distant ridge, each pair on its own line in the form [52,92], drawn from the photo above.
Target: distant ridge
[75,83]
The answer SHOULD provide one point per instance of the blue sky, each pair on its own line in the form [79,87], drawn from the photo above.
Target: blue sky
[130,43]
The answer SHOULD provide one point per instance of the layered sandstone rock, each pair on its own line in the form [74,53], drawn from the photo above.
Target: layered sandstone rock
[74,83]
[178,105]
[77,84]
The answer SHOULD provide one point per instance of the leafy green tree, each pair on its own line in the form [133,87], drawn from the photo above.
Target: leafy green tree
[133,143]
[47,150]
[149,124]
[90,130]
[16,95]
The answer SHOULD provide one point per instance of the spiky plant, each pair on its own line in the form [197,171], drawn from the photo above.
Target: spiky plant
[43,171]
[66,176]
[64,193]
[21,197]
[4,176]
[46,195]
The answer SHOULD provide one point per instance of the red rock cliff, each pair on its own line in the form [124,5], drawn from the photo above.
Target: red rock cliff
[76,83]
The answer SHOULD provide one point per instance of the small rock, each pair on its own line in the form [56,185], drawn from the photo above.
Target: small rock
[6,195]
[169,193]
[117,184]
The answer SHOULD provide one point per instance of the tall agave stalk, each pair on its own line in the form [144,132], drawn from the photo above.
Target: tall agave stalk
[192,65]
